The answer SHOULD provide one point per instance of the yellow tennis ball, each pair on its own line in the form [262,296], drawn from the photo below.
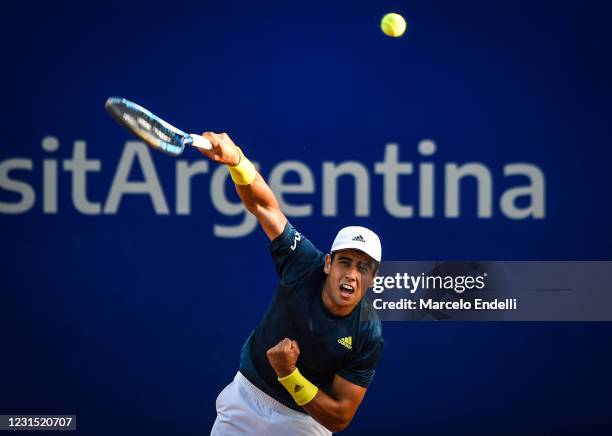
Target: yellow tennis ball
[393,25]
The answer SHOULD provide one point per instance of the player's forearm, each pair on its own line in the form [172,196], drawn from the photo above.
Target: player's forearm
[257,195]
[333,414]
[259,199]
[334,411]
[254,192]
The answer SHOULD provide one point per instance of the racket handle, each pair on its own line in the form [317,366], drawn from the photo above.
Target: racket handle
[200,142]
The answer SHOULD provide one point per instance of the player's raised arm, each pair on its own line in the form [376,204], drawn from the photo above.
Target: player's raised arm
[254,192]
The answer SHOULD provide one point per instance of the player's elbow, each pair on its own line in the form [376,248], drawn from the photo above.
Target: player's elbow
[261,211]
[337,427]
[339,422]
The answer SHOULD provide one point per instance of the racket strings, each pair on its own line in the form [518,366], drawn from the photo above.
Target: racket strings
[142,122]
[147,126]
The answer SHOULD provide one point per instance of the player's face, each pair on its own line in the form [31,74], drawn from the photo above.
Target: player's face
[348,277]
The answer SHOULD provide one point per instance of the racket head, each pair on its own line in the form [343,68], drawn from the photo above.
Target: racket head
[147,126]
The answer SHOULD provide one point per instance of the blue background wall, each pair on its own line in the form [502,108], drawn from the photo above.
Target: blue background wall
[134,321]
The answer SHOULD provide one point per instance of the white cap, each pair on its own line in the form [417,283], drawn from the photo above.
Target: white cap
[358,238]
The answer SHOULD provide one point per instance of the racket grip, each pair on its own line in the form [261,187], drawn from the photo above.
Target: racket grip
[200,142]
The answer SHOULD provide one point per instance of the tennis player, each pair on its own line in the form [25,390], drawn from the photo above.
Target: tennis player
[306,367]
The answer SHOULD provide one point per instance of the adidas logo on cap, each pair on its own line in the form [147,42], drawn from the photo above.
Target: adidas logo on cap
[358,238]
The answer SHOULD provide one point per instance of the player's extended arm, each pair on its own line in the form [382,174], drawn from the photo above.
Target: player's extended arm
[336,410]
[254,192]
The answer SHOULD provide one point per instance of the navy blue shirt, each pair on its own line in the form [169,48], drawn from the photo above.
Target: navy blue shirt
[349,346]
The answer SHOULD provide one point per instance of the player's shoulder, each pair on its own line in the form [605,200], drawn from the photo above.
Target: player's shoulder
[292,240]
[296,259]
[369,322]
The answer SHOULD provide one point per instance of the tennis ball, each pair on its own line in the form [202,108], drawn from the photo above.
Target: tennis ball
[393,25]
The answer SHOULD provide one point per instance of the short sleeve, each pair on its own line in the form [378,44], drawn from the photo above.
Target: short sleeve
[294,256]
[360,368]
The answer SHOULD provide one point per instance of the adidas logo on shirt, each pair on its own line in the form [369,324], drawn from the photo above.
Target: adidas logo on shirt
[347,342]
[359,238]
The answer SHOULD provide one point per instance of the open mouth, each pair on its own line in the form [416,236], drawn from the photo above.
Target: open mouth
[346,290]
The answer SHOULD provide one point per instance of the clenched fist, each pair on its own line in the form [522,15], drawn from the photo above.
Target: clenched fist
[283,357]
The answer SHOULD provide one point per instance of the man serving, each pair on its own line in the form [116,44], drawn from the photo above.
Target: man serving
[306,367]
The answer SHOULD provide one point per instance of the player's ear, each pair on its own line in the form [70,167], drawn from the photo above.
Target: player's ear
[370,280]
[327,266]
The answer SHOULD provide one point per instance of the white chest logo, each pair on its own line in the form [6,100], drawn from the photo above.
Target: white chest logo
[296,239]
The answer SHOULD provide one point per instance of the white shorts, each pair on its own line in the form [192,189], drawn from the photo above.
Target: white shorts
[243,409]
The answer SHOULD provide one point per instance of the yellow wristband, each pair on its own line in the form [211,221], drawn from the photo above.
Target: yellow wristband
[244,172]
[299,387]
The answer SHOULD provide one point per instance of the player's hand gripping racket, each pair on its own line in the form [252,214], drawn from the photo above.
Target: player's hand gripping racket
[151,129]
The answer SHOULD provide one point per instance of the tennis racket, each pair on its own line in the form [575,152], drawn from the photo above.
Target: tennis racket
[152,129]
